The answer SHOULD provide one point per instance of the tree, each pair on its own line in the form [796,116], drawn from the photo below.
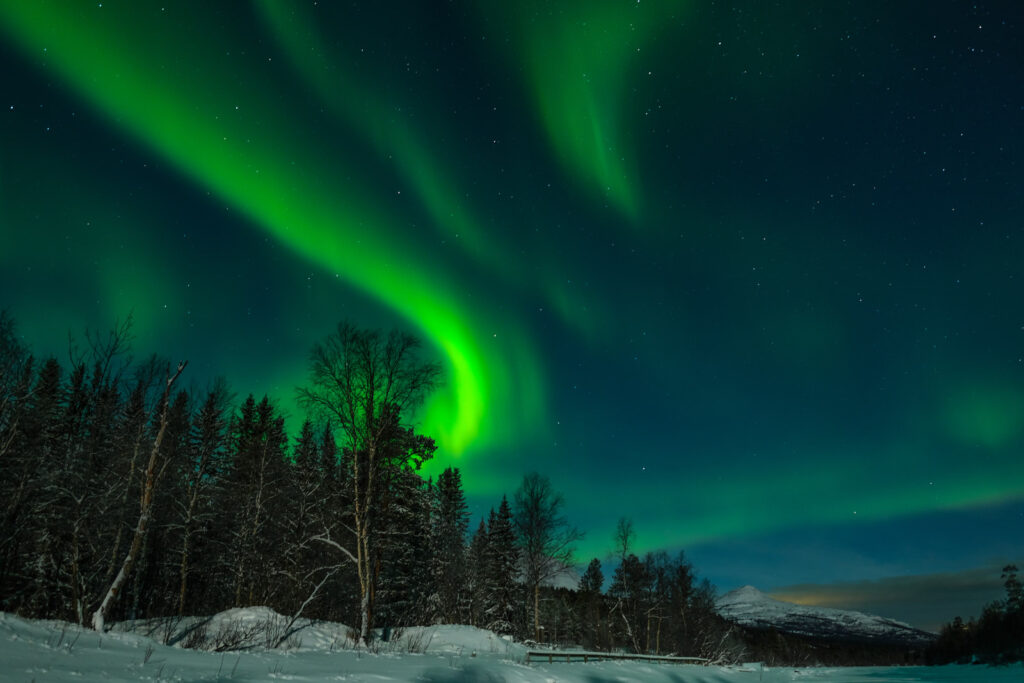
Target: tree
[477,574]
[303,506]
[621,588]
[1014,591]
[628,584]
[153,470]
[680,595]
[366,385]
[502,562]
[590,587]
[256,479]
[29,548]
[17,462]
[15,378]
[546,538]
[450,524]
[624,537]
[404,581]
[200,474]
[592,579]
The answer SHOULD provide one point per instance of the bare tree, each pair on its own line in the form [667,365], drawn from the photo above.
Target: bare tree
[623,538]
[16,375]
[15,380]
[366,384]
[545,537]
[145,508]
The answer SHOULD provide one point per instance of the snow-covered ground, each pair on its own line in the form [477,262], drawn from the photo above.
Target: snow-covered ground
[56,651]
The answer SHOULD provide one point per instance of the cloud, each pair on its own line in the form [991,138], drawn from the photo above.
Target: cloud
[925,600]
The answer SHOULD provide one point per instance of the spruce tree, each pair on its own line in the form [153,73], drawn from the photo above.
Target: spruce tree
[448,536]
[590,587]
[29,460]
[259,443]
[503,570]
[404,583]
[300,516]
[476,586]
[200,476]
[680,597]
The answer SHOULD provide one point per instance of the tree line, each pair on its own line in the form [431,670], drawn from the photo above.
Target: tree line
[997,636]
[126,495]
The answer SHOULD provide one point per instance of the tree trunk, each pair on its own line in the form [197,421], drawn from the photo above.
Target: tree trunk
[536,612]
[145,512]
[116,547]
[185,542]
[647,638]
[364,521]
[184,575]
[77,600]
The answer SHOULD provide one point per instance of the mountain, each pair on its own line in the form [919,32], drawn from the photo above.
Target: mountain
[750,608]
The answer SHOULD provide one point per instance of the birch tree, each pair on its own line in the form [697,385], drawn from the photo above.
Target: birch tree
[153,470]
[367,384]
[546,538]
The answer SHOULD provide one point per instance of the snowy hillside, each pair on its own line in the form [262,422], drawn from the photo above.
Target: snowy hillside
[57,652]
[750,607]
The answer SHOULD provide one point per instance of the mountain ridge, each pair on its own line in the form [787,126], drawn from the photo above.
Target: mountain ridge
[751,608]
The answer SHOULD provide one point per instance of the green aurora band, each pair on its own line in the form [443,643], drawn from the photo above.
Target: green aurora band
[753,328]
[380,121]
[258,166]
[579,58]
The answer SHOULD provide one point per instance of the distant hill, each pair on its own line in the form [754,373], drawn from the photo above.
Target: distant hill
[752,609]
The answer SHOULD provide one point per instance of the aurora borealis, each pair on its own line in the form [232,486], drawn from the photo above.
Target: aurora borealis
[749,274]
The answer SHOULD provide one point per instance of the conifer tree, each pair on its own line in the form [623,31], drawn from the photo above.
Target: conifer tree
[256,481]
[450,524]
[590,587]
[404,583]
[502,571]
[477,557]
[27,459]
[200,475]
[1014,589]
[302,508]
[680,595]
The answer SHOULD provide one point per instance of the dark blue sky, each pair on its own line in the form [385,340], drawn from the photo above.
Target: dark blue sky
[748,274]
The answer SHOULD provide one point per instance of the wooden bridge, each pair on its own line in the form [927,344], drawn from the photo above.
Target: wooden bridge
[551,656]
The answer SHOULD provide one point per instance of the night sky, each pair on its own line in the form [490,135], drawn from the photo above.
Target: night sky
[750,274]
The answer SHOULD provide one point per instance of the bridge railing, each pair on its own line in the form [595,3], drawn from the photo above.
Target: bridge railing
[567,656]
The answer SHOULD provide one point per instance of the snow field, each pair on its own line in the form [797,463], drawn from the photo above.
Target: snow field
[56,651]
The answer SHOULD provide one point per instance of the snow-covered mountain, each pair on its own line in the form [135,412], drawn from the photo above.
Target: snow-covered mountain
[750,607]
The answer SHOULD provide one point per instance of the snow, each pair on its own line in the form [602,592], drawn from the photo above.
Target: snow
[56,651]
[748,606]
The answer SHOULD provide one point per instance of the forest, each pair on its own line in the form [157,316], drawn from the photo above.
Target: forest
[127,496]
[996,636]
